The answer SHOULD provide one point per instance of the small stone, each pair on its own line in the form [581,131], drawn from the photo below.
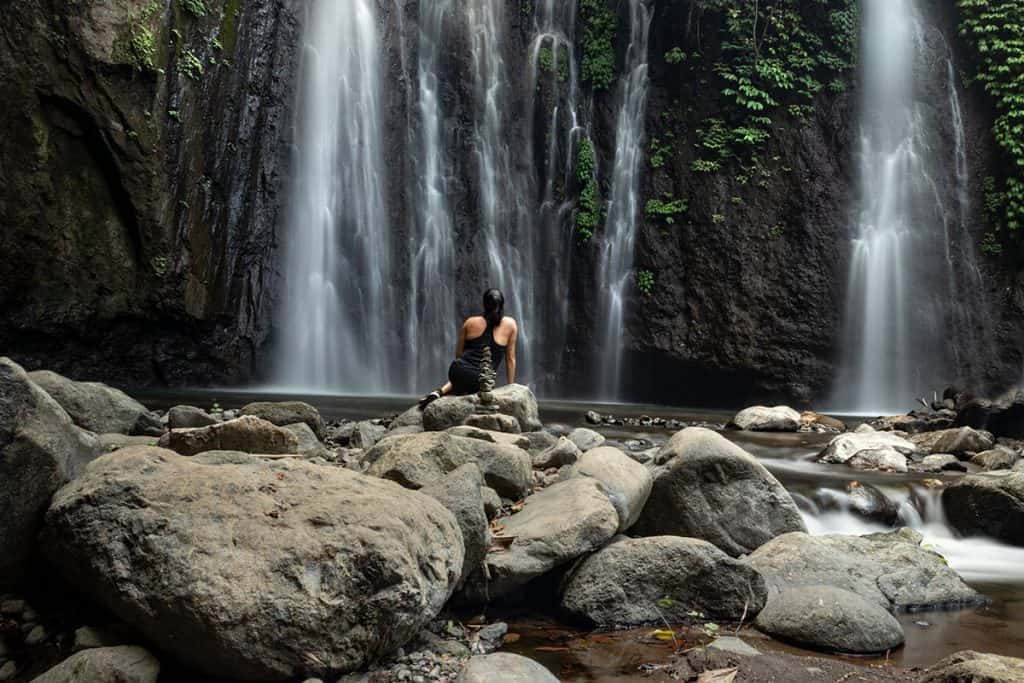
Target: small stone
[10,608]
[8,671]
[593,417]
[36,636]
[734,646]
[922,624]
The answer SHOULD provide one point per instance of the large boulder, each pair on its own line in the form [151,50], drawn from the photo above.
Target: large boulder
[990,503]
[998,458]
[959,441]
[563,452]
[247,434]
[830,619]
[712,489]
[626,482]
[890,569]
[122,664]
[504,667]
[869,449]
[306,442]
[419,460]
[283,413]
[975,667]
[461,492]
[586,439]
[765,419]
[95,406]
[513,399]
[557,525]
[1003,417]
[365,435]
[189,417]
[40,450]
[263,571]
[636,581]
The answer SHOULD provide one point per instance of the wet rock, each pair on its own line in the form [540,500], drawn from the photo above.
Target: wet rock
[863,500]
[365,435]
[914,423]
[975,667]
[95,406]
[513,399]
[830,619]
[888,569]
[996,459]
[555,526]
[564,452]
[942,462]
[626,482]
[307,443]
[824,422]
[422,459]
[123,664]
[765,419]
[503,667]
[247,434]
[1002,418]
[959,441]
[40,450]
[189,417]
[585,439]
[283,413]
[733,645]
[714,490]
[642,580]
[461,493]
[989,503]
[869,450]
[592,417]
[186,552]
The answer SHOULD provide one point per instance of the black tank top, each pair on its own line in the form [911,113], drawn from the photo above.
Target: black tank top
[473,349]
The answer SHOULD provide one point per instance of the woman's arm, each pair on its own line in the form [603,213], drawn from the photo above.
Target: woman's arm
[461,344]
[510,356]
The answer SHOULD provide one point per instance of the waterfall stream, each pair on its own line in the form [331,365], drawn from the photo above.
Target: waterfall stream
[616,262]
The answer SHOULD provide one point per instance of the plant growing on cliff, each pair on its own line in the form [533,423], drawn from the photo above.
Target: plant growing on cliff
[548,63]
[197,8]
[588,214]
[140,44]
[645,282]
[191,65]
[599,27]
[666,209]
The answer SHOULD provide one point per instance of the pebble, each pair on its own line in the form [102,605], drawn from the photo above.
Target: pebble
[36,636]
[8,671]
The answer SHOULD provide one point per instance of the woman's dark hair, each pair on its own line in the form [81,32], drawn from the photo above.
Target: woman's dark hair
[494,307]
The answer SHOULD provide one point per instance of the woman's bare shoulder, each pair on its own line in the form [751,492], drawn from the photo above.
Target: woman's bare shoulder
[510,321]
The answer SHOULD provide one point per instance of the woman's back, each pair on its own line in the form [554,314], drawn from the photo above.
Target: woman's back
[479,334]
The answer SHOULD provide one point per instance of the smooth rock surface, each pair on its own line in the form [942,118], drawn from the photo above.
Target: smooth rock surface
[712,489]
[189,417]
[247,434]
[942,462]
[626,482]
[959,441]
[517,440]
[40,450]
[121,664]
[995,459]
[635,581]
[975,667]
[991,504]
[869,449]
[891,569]
[765,419]
[504,667]
[306,442]
[563,452]
[283,413]
[461,493]
[830,619]
[586,439]
[244,571]
[419,460]
[93,405]
[513,399]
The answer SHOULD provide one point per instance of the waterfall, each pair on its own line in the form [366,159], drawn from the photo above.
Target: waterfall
[912,257]
[616,261]
[338,268]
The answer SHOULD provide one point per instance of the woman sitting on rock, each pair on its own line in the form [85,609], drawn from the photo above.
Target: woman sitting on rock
[493,329]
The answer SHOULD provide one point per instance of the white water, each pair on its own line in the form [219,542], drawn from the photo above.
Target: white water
[338,270]
[616,263]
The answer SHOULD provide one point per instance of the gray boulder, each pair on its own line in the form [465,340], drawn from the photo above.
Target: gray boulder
[714,490]
[563,452]
[643,580]
[513,399]
[998,458]
[975,667]
[419,460]
[586,439]
[492,502]
[504,667]
[112,442]
[122,664]
[539,441]
[365,435]
[765,419]
[491,436]
[869,449]
[626,482]
[40,450]
[959,441]
[891,569]
[247,434]
[306,442]
[942,462]
[413,417]
[283,413]
[263,571]
[189,417]
[830,619]
[461,493]
[991,504]
[95,406]
[557,525]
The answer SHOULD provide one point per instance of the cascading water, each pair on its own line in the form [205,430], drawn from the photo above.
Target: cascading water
[620,228]
[339,266]
[911,252]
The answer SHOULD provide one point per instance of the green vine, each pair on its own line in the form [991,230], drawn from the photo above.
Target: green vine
[599,27]
[588,215]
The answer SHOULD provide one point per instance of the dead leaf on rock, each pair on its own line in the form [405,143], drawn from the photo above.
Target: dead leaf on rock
[718,676]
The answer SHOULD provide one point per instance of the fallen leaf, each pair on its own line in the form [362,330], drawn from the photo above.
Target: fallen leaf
[551,648]
[511,637]
[664,634]
[718,676]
